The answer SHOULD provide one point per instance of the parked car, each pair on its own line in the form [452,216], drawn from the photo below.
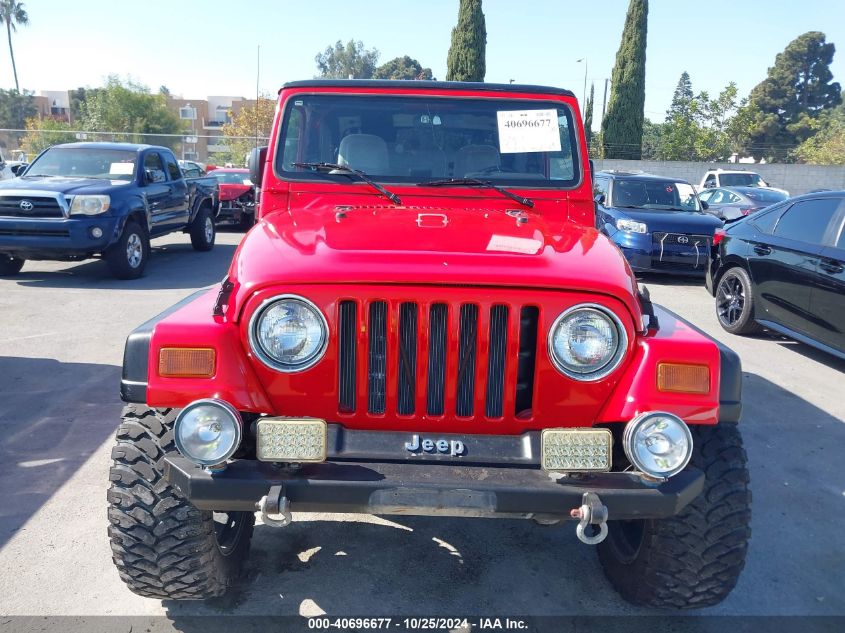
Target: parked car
[82,200]
[658,223]
[783,268]
[446,334]
[732,203]
[192,169]
[237,196]
[733,178]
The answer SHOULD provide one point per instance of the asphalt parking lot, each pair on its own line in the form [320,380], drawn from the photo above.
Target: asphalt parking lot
[62,328]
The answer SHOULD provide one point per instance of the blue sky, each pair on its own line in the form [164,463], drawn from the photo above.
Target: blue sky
[209,48]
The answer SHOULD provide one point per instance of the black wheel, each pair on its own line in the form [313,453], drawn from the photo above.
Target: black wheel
[10,266]
[163,546]
[128,258]
[694,559]
[735,303]
[203,230]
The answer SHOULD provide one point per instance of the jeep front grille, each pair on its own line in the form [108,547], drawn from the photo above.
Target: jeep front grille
[436,359]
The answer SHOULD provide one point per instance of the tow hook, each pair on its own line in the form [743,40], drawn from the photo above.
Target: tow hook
[275,508]
[591,512]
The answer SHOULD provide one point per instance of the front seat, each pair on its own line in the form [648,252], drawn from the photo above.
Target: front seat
[474,158]
[364,152]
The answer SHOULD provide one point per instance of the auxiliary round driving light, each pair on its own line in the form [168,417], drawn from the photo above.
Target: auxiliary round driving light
[207,432]
[658,444]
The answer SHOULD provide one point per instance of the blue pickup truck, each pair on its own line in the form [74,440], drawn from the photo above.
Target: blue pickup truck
[81,200]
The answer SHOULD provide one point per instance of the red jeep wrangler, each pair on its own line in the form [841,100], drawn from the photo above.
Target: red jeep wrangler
[425,321]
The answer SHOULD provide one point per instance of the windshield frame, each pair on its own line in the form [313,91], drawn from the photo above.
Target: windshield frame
[33,166]
[512,103]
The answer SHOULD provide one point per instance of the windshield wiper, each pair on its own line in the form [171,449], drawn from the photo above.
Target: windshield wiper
[484,184]
[335,167]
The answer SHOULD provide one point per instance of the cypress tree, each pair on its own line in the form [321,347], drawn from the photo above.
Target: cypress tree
[466,60]
[588,115]
[622,127]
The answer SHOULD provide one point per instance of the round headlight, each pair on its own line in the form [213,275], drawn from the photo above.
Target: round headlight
[658,444]
[587,342]
[207,431]
[288,333]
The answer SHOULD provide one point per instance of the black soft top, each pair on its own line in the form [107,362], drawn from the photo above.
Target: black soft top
[431,85]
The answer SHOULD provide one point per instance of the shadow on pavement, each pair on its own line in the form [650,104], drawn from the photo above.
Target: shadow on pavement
[53,416]
[171,265]
[443,567]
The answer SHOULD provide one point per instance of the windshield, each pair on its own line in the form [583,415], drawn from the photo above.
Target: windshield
[742,180]
[415,139]
[231,177]
[78,162]
[768,196]
[660,195]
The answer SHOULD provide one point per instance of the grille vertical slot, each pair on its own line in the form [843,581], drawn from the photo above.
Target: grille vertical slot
[348,352]
[467,343]
[438,323]
[377,358]
[528,318]
[494,402]
[407,392]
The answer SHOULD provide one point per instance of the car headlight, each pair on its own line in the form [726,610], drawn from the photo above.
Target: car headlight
[631,226]
[587,342]
[89,205]
[658,444]
[207,432]
[288,333]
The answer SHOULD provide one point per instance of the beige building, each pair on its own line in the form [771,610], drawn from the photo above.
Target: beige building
[204,120]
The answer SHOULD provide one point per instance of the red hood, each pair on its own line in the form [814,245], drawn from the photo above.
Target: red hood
[321,240]
[229,191]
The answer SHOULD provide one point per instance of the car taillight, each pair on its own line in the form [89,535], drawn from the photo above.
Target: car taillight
[718,236]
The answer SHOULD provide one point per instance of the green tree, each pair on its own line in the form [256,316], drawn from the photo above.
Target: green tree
[622,126]
[249,128]
[652,140]
[16,108]
[131,112]
[402,68]
[466,59]
[350,60]
[13,14]
[797,90]
[42,133]
[77,98]
[677,141]
[827,145]
[588,115]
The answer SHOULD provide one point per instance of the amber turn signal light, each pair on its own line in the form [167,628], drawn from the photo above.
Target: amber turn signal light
[186,362]
[682,378]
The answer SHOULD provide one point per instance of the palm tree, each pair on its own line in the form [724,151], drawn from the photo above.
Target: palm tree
[13,13]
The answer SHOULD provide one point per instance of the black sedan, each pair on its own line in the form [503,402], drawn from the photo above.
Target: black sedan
[783,268]
[732,203]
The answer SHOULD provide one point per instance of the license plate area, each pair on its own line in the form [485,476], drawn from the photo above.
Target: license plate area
[576,450]
[291,440]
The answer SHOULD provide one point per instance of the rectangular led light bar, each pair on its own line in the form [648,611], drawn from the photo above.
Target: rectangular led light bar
[576,450]
[291,440]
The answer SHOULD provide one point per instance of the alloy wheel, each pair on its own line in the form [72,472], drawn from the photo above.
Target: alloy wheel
[730,300]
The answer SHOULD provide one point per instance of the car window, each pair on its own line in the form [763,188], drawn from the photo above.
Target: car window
[600,187]
[732,197]
[765,220]
[717,196]
[153,164]
[705,196]
[807,220]
[840,243]
[172,168]
[710,181]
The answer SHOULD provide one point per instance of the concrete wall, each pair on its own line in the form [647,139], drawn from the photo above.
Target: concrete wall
[796,179]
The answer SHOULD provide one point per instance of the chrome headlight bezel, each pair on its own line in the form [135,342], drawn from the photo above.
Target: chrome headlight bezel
[615,360]
[268,360]
[631,226]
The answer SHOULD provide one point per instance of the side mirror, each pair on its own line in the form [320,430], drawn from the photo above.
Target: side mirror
[704,205]
[255,163]
[147,177]
[17,170]
[592,170]
[709,185]
[599,199]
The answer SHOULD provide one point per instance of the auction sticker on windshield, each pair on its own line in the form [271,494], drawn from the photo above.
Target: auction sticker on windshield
[528,131]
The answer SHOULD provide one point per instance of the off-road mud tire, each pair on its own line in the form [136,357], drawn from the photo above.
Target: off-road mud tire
[692,560]
[162,545]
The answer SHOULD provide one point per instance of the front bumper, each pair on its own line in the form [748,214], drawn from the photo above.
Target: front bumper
[429,489]
[234,210]
[56,238]
[644,254]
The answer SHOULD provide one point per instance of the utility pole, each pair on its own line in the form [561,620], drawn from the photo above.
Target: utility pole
[257,93]
[584,97]
[604,101]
